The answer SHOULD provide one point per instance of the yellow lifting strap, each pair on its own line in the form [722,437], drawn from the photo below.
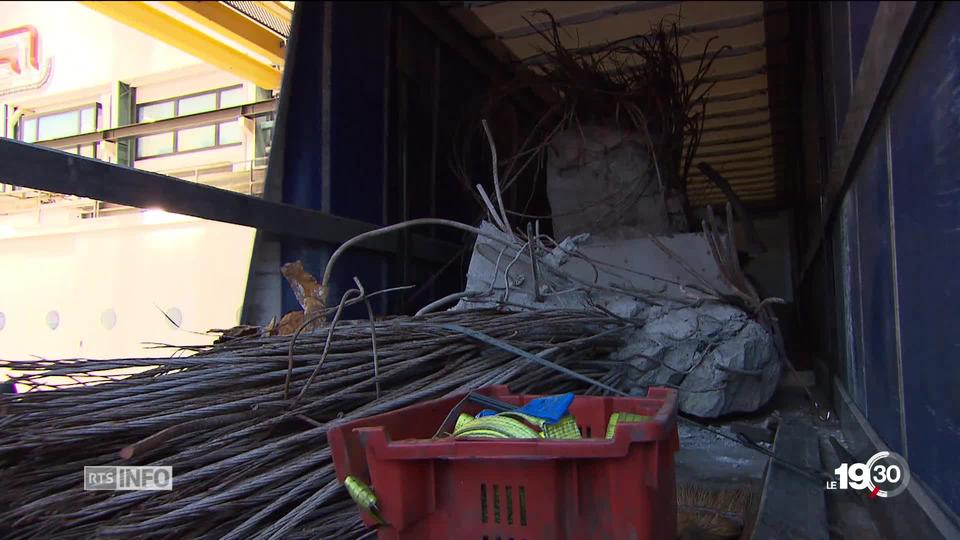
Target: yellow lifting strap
[363,496]
[625,418]
[565,428]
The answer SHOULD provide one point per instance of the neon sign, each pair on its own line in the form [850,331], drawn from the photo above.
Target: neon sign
[21,68]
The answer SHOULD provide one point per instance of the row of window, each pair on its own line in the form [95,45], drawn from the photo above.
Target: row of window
[196,138]
[84,120]
[60,124]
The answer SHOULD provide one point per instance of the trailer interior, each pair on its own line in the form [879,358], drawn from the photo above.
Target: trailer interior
[834,128]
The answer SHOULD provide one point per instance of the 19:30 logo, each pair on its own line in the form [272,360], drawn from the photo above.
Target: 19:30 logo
[885,474]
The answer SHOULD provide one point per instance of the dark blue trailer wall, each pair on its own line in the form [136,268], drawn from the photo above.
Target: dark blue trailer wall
[371,103]
[894,246]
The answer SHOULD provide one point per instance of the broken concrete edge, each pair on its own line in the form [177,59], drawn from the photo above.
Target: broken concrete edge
[721,359]
[792,505]
[917,509]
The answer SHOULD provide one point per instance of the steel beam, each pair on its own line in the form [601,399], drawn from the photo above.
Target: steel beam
[150,21]
[32,166]
[249,110]
[231,24]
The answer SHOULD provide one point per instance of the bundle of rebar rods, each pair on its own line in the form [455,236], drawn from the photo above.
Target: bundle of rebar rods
[243,424]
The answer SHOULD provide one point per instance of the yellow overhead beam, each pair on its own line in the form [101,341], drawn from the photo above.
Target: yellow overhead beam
[140,16]
[279,9]
[223,20]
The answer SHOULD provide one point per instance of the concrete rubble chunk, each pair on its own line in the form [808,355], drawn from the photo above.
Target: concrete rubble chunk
[600,180]
[722,360]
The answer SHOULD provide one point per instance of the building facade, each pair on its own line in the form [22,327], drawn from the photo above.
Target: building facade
[85,278]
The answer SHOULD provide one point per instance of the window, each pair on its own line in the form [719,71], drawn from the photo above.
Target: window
[156,111]
[229,132]
[56,125]
[195,138]
[155,145]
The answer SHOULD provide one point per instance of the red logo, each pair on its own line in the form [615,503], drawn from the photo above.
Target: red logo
[20,65]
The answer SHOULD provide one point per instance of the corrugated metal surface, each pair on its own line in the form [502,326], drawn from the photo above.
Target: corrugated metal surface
[276,19]
[740,139]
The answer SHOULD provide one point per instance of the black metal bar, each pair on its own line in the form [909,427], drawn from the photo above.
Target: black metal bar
[27,165]
[249,110]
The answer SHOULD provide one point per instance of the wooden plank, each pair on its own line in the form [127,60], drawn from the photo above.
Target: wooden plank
[793,504]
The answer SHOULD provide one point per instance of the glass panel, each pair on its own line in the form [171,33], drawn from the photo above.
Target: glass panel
[154,112]
[28,130]
[263,135]
[154,145]
[232,97]
[88,120]
[88,150]
[197,104]
[230,132]
[70,150]
[193,138]
[55,126]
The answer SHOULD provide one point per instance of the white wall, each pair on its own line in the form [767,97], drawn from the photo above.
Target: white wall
[130,264]
[91,52]
[53,261]
[88,49]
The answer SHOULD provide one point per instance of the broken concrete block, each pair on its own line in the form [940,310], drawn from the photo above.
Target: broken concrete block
[720,358]
[600,180]
[726,361]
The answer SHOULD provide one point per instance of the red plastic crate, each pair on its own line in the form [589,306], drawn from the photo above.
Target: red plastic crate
[518,489]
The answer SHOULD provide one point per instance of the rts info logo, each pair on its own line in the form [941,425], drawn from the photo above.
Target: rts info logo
[886,474]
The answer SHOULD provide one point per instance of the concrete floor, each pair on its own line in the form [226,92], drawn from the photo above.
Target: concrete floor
[709,462]
[712,462]
[708,459]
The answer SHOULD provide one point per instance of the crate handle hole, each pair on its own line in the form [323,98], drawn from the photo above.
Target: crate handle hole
[522,496]
[483,505]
